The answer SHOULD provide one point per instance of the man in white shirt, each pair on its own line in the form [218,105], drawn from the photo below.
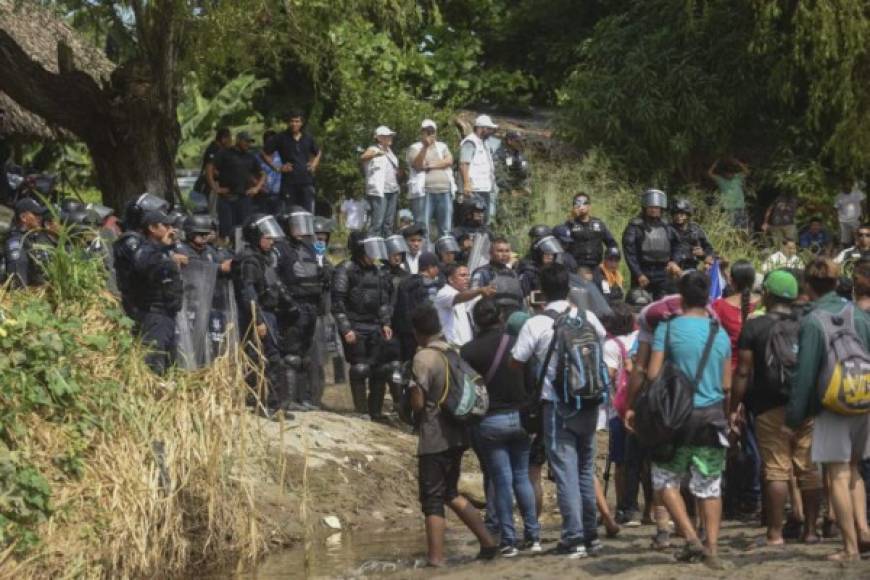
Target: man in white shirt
[476,165]
[413,235]
[785,258]
[431,185]
[568,437]
[850,208]
[454,303]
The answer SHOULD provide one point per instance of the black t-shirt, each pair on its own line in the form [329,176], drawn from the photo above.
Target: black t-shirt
[208,157]
[297,153]
[759,396]
[237,170]
[507,389]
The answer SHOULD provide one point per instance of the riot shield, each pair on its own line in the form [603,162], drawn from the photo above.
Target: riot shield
[479,255]
[585,295]
[198,278]
[223,327]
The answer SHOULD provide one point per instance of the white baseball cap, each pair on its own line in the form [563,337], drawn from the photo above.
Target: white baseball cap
[485,121]
[428,124]
[384,131]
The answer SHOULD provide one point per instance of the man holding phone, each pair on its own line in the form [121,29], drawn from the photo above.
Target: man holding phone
[431,185]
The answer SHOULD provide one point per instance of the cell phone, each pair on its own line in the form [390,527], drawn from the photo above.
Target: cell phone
[536,298]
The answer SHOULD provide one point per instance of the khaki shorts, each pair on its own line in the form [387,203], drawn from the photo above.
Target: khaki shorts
[781,456]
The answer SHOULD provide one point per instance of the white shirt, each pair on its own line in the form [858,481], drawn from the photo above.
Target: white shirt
[355,213]
[535,338]
[412,263]
[612,354]
[455,318]
[848,206]
[780,260]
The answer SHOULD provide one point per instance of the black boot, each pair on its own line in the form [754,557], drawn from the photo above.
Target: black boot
[358,391]
[377,390]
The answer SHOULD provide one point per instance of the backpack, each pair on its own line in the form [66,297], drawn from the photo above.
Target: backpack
[620,398]
[464,398]
[844,385]
[663,408]
[581,374]
[781,353]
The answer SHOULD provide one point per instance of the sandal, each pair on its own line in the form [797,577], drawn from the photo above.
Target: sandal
[661,540]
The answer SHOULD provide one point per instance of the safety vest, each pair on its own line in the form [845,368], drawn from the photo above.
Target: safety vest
[376,172]
[481,170]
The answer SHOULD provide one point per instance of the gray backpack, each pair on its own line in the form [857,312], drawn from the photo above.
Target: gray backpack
[844,383]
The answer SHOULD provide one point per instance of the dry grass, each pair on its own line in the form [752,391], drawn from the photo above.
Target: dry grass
[167,483]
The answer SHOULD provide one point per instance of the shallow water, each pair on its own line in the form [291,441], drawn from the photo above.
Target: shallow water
[351,554]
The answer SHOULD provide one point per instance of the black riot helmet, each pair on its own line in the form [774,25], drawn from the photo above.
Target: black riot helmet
[177,217]
[102,211]
[654,198]
[446,244]
[375,248]
[198,224]
[682,205]
[70,204]
[539,232]
[297,222]
[137,208]
[547,245]
[323,225]
[261,225]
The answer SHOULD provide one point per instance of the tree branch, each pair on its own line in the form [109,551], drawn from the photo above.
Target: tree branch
[72,100]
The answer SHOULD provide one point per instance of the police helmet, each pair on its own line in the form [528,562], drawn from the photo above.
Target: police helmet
[682,205]
[654,198]
[261,225]
[299,222]
[136,209]
[396,244]
[375,248]
[71,204]
[474,203]
[539,231]
[198,224]
[446,244]
[548,245]
[101,211]
[323,225]
[177,217]
[562,233]
[638,297]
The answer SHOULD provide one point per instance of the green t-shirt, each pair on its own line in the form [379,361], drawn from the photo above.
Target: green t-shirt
[732,191]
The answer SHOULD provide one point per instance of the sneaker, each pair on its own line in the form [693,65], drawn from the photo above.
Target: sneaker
[508,551]
[632,522]
[594,547]
[574,552]
[536,548]
[488,553]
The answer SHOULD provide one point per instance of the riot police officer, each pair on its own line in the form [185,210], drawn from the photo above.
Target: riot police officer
[199,231]
[26,250]
[322,233]
[261,297]
[302,275]
[155,271]
[472,213]
[124,248]
[414,291]
[544,251]
[361,304]
[397,251]
[650,246]
[589,235]
[509,291]
[692,243]
[447,249]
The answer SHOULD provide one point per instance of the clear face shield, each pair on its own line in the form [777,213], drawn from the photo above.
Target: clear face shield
[655,198]
[549,245]
[446,244]
[396,245]
[376,249]
[301,223]
[269,227]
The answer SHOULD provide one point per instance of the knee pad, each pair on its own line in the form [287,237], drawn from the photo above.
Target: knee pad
[292,361]
[360,372]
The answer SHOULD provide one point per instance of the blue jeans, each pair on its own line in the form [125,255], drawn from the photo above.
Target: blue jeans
[440,207]
[505,446]
[572,464]
[418,208]
[382,213]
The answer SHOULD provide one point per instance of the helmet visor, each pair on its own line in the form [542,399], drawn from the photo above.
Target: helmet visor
[549,245]
[396,245]
[301,223]
[148,202]
[655,198]
[446,244]
[269,227]
[375,248]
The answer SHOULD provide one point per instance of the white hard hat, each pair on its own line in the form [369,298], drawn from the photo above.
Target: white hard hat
[485,121]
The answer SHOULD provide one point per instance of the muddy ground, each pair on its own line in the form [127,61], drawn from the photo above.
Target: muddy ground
[344,503]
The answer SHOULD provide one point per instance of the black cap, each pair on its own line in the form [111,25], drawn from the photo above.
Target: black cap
[31,205]
[427,260]
[155,217]
[612,254]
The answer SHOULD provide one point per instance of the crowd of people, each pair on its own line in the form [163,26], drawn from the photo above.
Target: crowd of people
[553,346]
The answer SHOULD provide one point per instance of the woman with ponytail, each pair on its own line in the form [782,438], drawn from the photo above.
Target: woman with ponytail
[736,308]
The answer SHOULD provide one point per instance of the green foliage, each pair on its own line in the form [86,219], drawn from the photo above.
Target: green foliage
[199,116]
[24,500]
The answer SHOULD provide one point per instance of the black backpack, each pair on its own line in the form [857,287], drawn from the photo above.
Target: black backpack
[580,369]
[781,353]
[664,407]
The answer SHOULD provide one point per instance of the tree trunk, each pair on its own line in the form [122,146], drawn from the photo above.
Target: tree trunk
[129,124]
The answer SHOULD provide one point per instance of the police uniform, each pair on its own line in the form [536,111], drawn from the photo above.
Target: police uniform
[508,289]
[588,240]
[362,302]
[159,299]
[688,237]
[648,246]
